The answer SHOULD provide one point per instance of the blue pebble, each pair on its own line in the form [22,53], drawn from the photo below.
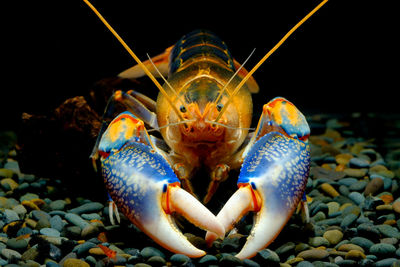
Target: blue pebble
[50,232]
[348,220]
[356,197]
[387,183]
[358,163]
[24,231]
[56,223]
[10,216]
[91,216]
[347,181]
[76,220]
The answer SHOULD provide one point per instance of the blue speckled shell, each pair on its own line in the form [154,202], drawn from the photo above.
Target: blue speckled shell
[278,167]
[135,177]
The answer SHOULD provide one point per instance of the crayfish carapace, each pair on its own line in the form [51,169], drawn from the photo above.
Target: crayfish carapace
[203,113]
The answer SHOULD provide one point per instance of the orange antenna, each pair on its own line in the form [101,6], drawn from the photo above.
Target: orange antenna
[148,73]
[267,56]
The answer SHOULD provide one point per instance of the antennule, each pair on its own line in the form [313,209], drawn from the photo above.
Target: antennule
[133,55]
[268,55]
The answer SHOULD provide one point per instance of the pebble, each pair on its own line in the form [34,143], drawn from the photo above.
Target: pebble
[354,255]
[148,252]
[333,236]
[382,250]
[76,220]
[329,190]
[75,263]
[318,241]
[208,260]
[10,253]
[358,186]
[87,208]
[179,259]
[50,232]
[362,242]
[388,231]
[348,220]
[313,254]
[267,256]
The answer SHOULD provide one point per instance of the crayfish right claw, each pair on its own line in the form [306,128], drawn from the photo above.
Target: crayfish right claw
[271,183]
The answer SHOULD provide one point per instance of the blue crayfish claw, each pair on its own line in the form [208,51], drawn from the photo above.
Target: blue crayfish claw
[145,188]
[271,184]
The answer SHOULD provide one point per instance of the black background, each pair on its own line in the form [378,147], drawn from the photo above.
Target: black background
[342,60]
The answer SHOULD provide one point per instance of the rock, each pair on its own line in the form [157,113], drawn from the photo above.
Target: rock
[329,190]
[358,186]
[229,260]
[313,254]
[285,248]
[374,186]
[390,262]
[348,220]
[357,173]
[362,242]
[56,223]
[267,256]
[57,204]
[50,232]
[388,231]
[76,220]
[75,263]
[333,207]
[9,184]
[10,216]
[30,254]
[148,252]
[382,250]
[396,206]
[87,208]
[208,260]
[348,247]
[358,163]
[343,159]
[319,172]
[156,261]
[333,236]
[368,230]
[354,255]
[250,263]
[17,244]
[318,241]
[10,254]
[179,259]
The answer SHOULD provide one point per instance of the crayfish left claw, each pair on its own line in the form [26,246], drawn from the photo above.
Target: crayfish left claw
[271,183]
[147,191]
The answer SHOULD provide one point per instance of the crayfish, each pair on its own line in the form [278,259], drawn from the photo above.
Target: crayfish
[203,113]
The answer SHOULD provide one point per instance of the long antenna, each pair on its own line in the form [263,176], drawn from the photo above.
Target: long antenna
[233,76]
[267,56]
[148,73]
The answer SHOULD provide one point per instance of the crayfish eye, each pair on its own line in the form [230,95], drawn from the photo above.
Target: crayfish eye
[220,106]
[182,109]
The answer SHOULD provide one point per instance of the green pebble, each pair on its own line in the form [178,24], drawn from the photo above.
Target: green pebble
[362,242]
[388,231]
[149,252]
[156,261]
[179,259]
[382,249]
[208,259]
[318,241]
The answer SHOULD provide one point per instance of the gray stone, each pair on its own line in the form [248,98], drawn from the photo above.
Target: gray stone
[76,220]
[49,232]
[87,208]
[148,252]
